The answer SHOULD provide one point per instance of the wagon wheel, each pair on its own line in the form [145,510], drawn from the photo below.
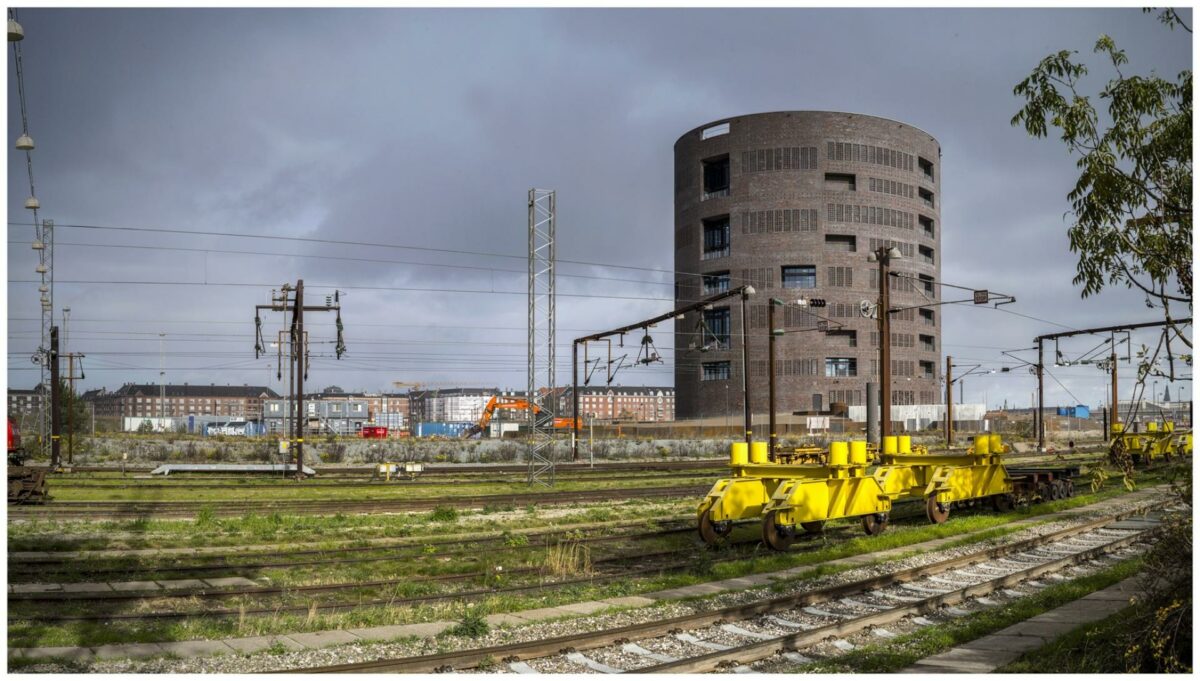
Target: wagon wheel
[936,511]
[778,537]
[712,532]
[1069,486]
[814,527]
[1003,503]
[875,523]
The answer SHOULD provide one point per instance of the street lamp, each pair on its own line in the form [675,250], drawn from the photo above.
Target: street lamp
[884,256]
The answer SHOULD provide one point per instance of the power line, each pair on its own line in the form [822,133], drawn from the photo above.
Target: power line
[223,251]
[330,287]
[366,244]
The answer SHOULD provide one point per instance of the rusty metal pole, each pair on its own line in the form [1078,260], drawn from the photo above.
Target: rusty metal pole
[574,401]
[299,379]
[1113,360]
[746,371]
[771,372]
[885,349]
[1039,417]
[949,403]
[55,401]
[71,408]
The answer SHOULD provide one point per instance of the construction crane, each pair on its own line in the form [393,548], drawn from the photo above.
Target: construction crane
[515,404]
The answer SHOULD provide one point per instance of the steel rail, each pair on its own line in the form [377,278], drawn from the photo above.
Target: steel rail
[455,469]
[334,484]
[754,652]
[108,510]
[203,593]
[541,648]
[337,607]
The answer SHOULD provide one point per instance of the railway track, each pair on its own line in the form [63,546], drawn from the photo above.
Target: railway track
[116,510]
[458,469]
[401,552]
[735,636]
[249,484]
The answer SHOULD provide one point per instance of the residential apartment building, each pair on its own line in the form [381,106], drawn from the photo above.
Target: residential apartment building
[25,400]
[149,400]
[339,414]
[616,403]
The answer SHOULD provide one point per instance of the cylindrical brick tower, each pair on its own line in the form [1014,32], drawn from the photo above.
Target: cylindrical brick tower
[792,203]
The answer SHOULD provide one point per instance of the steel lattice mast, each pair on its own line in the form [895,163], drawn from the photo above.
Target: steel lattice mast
[543,400]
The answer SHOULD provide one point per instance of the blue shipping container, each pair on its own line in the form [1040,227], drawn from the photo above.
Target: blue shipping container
[1066,411]
[1083,411]
[442,428]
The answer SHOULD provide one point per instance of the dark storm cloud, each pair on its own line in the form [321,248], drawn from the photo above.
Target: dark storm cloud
[427,127]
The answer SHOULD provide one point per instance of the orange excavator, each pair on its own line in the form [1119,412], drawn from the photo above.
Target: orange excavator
[515,404]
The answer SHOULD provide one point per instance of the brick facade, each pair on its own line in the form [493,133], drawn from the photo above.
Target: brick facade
[812,192]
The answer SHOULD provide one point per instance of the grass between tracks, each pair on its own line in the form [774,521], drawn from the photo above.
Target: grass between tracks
[704,567]
[906,650]
[157,491]
[327,532]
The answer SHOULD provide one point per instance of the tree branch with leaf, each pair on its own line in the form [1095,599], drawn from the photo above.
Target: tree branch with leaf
[1132,203]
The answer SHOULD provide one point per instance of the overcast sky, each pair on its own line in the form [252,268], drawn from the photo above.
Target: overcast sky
[426,128]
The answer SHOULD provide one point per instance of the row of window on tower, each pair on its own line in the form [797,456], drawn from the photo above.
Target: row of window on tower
[714,333]
[716,235]
[835,367]
[716,174]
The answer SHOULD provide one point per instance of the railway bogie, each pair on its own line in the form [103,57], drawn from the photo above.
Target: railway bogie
[1159,442]
[792,498]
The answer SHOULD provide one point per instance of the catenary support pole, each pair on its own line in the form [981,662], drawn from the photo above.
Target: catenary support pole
[1113,360]
[885,350]
[771,373]
[949,403]
[575,401]
[1039,416]
[746,371]
[300,379]
[55,402]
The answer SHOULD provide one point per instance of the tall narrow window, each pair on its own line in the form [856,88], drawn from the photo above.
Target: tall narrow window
[716,282]
[716,238]
[926,168]
[717,324]
[926,226]
[716,177]
[928,343]
[926,254]
[841,366]
[714,371]
[926,196]
[926,369]
[799,276]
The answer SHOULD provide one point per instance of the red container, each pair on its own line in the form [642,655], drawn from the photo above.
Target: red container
[379,432]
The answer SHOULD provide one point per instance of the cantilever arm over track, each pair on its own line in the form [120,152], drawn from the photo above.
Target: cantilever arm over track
[742,291]
[1040,366]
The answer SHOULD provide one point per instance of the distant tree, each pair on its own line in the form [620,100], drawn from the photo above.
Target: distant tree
[76,415]
[145,427]
[1132,204]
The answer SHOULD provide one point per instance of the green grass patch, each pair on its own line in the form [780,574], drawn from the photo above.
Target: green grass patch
[906,650]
